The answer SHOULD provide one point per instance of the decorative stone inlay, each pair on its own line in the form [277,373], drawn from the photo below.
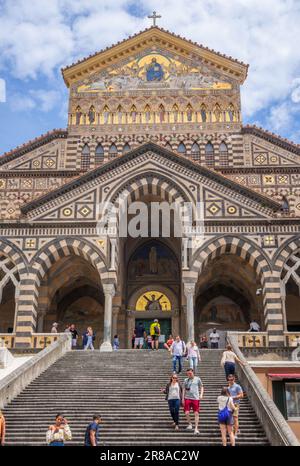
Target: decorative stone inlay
[85,211]
[232,210]
[213,209]
[67,212]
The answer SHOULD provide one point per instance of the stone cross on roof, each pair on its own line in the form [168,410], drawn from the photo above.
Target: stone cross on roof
[154,16]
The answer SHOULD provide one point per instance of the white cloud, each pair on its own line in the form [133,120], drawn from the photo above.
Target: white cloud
[39,99]
[2,90]
[38,37]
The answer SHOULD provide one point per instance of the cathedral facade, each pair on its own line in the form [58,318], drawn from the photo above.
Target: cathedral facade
[153,119]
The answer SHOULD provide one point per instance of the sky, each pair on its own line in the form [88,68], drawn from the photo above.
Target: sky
[39,37]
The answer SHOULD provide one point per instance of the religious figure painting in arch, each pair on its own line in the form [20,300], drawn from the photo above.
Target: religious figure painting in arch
[154,69]
[153,301]
[153,259]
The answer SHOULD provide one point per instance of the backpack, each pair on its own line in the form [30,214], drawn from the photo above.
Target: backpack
[156,330]
[224,414]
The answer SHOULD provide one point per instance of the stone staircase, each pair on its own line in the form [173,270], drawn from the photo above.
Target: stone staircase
[124,387]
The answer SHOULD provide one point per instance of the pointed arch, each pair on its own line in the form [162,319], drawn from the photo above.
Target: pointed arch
[195,150]
[189,112]
[223,155]
[161,109]
[113,150]
[181,148]
[99,154]
[209,155]
[203,112]
[231,113]
[126,148]
[85,158]
[78,115]
[92,114]
[106,113]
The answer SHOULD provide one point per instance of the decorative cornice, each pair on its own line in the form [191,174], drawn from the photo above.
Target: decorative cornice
[40,174]
[148,147]
[33,144]
[272,137]
[241,69]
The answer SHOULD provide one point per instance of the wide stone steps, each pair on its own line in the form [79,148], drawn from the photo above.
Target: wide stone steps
[124,387]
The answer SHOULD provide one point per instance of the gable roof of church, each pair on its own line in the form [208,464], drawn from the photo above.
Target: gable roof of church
[150,146]
[95,61]
[33,144]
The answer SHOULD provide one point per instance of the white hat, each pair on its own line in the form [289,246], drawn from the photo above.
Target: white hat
[155,320]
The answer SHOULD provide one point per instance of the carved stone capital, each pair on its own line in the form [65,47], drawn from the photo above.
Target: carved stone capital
[189,289]
[109,289]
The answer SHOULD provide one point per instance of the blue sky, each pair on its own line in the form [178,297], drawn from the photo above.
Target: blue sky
[38,37]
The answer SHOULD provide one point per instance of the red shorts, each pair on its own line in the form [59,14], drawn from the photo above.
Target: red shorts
[191,404]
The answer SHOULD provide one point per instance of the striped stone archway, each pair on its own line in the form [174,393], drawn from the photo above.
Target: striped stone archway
[289,252]
[251,253]
[38,267]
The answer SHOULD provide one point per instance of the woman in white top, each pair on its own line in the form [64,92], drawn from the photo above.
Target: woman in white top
[229,358]
[225,401]
[193,355]
[173,393]
[58,433]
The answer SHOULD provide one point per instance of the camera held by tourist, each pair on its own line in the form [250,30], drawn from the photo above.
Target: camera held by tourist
[192,394]
[58,433]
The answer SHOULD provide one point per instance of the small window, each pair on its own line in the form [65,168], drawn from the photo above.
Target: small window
[292,396]
[223,155]
[113,151]
[126,148]
[195,151]
[181,148]
[209,155]
[85,158]
[99,155]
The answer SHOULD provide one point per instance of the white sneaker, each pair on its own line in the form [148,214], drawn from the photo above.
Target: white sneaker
[189,427]
[196,432]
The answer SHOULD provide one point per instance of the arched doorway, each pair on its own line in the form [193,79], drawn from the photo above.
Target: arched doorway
[153,285]
[290,277]
[9,284]
[226,296]
[71,293]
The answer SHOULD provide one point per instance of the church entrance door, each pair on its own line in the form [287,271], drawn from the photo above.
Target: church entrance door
[165,328]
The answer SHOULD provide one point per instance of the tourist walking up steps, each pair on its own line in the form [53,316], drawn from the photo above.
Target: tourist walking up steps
[173,393]
[92,432]
[225,416]
[88,339]
[74,336]
[236,393]
[58,433]
[139,336]
[178,350]
[192,393]
[155,333]
[229,358]
[2,429]
[193,355]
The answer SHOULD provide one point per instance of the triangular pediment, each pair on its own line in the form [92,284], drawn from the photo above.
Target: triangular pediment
[222,198]
[170,49]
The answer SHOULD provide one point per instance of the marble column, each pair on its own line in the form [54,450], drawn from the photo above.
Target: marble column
[189,291]
[109,292]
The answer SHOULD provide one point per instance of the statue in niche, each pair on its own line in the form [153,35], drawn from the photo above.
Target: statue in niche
[213,313]
[153,260]
[153,304]
[78,116]
[91,115]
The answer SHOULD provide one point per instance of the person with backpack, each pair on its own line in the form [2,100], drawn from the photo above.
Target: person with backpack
[155,333]
[88,339]
[173,393]
[225,416]
[229,358]
[178,350]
